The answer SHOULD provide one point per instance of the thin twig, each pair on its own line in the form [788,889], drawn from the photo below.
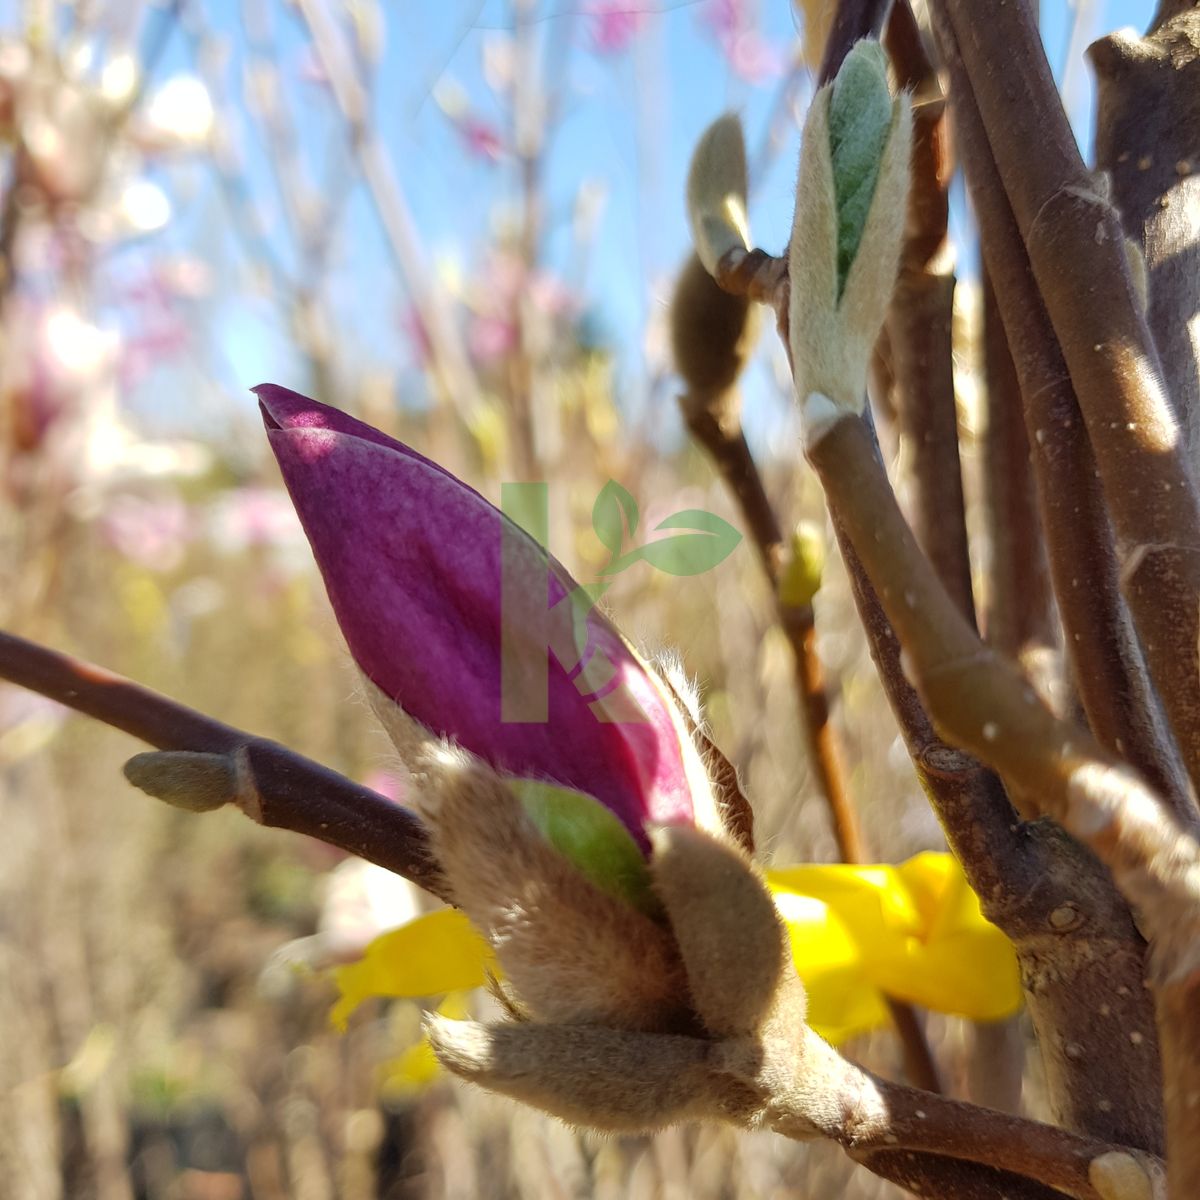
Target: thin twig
[920,323]
[726,443]
[281,789]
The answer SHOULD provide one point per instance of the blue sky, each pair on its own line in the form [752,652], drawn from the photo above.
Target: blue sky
[628,123]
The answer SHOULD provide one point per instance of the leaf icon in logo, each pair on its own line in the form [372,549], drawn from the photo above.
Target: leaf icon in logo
[614,511]
[710,541]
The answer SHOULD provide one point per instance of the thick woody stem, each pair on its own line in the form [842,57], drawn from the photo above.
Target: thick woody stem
[1105,658]
[1072,932]
[984,704]
[1076,248]
[1179,1033]
[790,1081]
[1148,141]
[275,786]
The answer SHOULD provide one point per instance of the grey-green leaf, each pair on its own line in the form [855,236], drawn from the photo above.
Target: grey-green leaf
[860,116]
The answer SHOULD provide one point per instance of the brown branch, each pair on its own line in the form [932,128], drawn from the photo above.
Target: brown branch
[854,20]
[950,1132]
[984,704]
[278,788]
[1046,894]
[1148,140]
[788,1080]
[1105,658]
[1076,249]
[920,323]
[1020,606]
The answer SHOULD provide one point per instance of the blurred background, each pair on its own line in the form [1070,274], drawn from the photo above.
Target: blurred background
[459,220]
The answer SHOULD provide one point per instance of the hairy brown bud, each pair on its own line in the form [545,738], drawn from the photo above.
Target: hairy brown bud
[712,336]
[185,779]
[716,192]
[573,953]
[734,946]
[610,1079]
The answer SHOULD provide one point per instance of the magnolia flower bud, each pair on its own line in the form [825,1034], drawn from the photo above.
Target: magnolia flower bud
[468,630]
[846,234]
[716,192]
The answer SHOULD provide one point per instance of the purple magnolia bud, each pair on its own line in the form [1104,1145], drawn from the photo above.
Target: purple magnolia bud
[416,564]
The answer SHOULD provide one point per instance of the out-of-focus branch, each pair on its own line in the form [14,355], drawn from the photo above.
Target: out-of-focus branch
[1148,140]
[920,323]
[272,785]
[528,111]
[459,383]
[712,333]
[1102,648]
[1076,248]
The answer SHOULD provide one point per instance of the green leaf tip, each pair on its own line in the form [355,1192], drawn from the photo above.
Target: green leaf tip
[591,838]
[614,512]
[860,117]
[801,577]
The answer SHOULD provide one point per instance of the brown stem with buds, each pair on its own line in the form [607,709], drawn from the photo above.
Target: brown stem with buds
[729,451]
[1101,646]
[1148,141]
[274,786]
[1076,247]
[984,704]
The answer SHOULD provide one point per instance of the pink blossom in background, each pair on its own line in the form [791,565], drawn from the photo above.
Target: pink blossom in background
[386,783]
[247,518]
[166,338]
[310,69]
[481,138]
[151,531]
[553,297]
[491,337]
[613,24]
[733,23]
[502,278]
